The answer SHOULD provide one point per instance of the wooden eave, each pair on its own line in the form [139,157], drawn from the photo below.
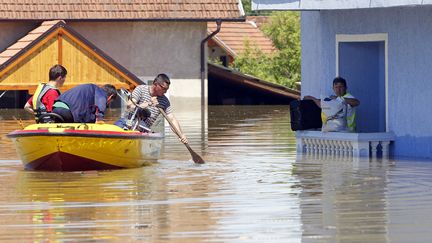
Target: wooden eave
[253,82]
[61,28]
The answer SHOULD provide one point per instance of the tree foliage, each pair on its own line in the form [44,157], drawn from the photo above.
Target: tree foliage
[247,7]
[283,67]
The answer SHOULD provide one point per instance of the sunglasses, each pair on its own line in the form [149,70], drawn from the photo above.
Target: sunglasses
[165,88]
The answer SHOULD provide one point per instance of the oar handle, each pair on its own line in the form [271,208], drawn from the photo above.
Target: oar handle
[177,132]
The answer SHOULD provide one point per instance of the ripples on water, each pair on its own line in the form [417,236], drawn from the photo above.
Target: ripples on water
[253,188]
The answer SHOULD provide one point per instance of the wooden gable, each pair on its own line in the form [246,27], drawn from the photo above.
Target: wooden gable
[26,63]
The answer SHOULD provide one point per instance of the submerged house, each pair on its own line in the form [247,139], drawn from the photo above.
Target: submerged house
[143,37]
[382,49]
[227,86]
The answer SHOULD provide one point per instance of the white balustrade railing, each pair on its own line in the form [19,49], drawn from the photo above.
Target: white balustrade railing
[344,144]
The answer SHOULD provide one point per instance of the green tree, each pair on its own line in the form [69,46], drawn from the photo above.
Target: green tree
[247,6]
[283,67]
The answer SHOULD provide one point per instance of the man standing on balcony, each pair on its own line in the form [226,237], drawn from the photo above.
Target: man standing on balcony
[341,94]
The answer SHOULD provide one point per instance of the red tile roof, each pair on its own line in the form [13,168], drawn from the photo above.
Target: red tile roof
[232,37]
[119,9]
[24,42]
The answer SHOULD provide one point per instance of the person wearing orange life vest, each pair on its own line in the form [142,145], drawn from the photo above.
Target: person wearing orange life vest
[341,94]
[46,93]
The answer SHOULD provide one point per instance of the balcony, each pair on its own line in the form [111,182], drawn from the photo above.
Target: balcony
[344,144]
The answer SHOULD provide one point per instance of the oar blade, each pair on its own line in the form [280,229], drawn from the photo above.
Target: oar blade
[195,157]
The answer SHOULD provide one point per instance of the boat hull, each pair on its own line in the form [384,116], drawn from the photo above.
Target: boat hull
[92,147]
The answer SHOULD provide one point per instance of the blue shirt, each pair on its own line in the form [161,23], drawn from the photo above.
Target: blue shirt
[84,100]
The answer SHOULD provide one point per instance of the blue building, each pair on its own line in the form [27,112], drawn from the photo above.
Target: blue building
[384,51]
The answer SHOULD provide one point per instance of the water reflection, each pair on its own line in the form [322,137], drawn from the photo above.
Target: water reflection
[339,194]
[253,188]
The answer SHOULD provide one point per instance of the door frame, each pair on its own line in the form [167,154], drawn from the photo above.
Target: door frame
[377,37]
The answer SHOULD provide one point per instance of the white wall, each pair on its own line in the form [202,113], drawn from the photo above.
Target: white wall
[150,48]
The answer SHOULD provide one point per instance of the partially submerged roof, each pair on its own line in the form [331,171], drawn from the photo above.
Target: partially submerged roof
[26,63]
[235,77]
[332,4]
[121,9]
[234,35]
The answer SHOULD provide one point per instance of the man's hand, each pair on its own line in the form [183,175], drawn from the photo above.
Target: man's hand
[144,105]
[317,101]
[184,139]
[154,101]
[100,122]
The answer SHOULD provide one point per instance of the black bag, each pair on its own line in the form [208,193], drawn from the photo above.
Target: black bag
[305,114]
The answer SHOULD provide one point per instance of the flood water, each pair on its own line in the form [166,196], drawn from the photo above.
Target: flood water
[253,188]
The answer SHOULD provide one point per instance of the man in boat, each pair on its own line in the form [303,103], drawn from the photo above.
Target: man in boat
[150,98]
[85,103]
[341,96]
[43,99]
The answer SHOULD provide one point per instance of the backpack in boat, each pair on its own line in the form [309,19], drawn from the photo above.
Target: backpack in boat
[305,114]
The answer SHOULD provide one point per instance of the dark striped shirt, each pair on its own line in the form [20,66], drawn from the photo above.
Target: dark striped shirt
[142,94]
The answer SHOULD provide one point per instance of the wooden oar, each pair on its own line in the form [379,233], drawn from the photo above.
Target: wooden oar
[19,122]
[195,157]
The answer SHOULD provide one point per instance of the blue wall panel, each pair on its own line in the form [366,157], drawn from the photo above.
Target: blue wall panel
[360,63]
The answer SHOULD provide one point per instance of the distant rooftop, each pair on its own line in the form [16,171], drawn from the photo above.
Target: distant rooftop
[233,35]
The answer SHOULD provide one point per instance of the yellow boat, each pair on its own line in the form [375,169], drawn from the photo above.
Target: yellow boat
[78,147]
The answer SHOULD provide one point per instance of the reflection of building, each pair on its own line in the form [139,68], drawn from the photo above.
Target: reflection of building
[343,200]
[386,63]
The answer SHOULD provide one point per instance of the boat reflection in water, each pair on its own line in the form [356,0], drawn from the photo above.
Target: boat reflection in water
[79,147]
[81,205]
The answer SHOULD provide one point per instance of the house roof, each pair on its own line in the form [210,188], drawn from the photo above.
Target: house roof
[233,35]
[332,4]
[31,44]
[26,41]
[121,10]
[252,82]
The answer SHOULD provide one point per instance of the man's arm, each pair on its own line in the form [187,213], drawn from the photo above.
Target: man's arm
[353,102]
[100,103]
[317,101]
[174,121]
[29,106]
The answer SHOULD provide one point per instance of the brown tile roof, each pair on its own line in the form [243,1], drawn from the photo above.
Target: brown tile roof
[120,9]
[232,37]
[27,40]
